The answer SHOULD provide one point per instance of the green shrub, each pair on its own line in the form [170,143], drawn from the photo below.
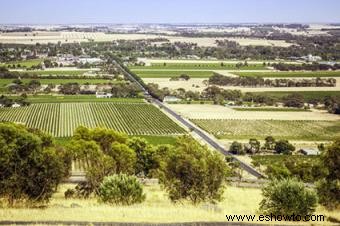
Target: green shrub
[287,197]
[121,189]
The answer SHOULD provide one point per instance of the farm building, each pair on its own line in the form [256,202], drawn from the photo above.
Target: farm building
[15,105]
[103,95]
[308,151]
[171,99]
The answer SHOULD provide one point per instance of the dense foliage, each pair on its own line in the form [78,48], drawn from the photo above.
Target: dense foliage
[121,189]
[288,197]
[194,173]
[31,166]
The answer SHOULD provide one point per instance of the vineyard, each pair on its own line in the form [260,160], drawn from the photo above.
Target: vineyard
[291,130]
[61,119]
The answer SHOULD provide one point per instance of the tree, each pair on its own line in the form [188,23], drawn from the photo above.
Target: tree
[121,189]
[254,146]
[31,167]
[284,147]
[294,100]
[329,187]
[194,173]
[236,148]
[144,154]
[270,143]
[124,157]
[288,197]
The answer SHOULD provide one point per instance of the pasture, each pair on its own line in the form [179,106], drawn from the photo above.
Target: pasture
[61,119]
[260,129]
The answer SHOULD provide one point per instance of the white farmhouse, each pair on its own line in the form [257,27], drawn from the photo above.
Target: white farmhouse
[15,105]
[171,99]
[103,95]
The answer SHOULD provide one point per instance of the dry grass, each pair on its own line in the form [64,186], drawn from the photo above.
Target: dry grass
[156,208]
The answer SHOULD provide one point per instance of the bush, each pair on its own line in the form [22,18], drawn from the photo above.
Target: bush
[287,197]
[121,189]
[194,173]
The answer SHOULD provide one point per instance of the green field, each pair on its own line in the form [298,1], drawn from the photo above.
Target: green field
[61,119]
[308,95]
[260,129]
[78,99]
[270,109]
[171,74]
[290,74]
[24,63]
[43,81]
[201,66]
[58,72]
[268,160]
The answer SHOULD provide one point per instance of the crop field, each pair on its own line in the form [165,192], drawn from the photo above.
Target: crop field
[260,129]
[308,95]
[197,111]
[270,109]
[200,66]
[78,98]
[61,119]
[43,81]
[171,74]
[268,160]
[290,74]
[58,72]
[23,63]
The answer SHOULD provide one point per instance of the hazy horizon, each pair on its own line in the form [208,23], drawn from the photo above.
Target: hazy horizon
[169,12]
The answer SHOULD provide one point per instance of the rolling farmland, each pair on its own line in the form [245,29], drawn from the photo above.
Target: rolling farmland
[291,130]
[61,119]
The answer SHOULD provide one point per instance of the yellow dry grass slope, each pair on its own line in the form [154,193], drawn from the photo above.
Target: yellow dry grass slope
[156,208]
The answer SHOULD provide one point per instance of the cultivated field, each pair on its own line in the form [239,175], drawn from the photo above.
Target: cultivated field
[70,37]
[306,74]
[198,84]
[43,81]
[198,111]
[200,66]
[171,74]
[260,129]
[61,119]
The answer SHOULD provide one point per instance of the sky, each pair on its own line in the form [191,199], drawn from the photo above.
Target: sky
[168,11]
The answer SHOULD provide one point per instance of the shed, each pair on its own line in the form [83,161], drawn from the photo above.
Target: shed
[309,151]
